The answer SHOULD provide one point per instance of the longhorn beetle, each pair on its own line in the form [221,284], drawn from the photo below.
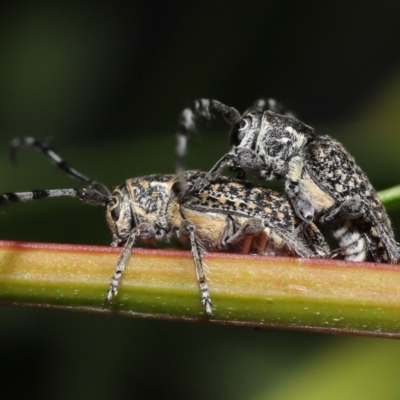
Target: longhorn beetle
[322,180]
[230,215]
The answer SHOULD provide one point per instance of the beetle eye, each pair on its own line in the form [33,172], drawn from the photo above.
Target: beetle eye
[115,213]
[239,131]
[243,124]
[243,127]
[115,207]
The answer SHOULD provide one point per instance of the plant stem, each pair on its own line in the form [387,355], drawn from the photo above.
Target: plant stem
[390,197]
[319,295]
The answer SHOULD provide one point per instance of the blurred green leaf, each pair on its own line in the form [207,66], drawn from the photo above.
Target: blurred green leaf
[390,198]
[358,368]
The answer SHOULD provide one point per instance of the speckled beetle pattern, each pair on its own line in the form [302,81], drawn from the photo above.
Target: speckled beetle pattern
[322,180]
[229,215]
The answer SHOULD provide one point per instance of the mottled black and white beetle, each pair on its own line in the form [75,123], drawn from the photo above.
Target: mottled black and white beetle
[322,180]
[229,215]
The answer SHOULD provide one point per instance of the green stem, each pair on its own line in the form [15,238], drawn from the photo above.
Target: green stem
[390,197]
[318,295]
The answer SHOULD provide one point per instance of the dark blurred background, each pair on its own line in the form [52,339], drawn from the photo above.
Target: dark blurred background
[106,81]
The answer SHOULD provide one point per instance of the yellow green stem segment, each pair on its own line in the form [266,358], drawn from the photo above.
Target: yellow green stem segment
[319,295]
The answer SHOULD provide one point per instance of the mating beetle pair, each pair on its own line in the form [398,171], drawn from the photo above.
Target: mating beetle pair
[220,214]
